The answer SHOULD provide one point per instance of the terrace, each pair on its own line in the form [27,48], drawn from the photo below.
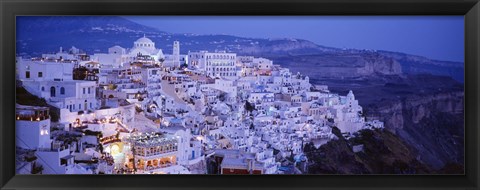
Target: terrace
[32,113]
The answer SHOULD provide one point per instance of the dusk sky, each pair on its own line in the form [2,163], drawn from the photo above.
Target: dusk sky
[436,37]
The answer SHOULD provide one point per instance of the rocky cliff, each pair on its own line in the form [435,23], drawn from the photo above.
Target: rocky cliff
[425,111]
[339,65]
[418,108]
[412,64]
[382,153]
[432,124]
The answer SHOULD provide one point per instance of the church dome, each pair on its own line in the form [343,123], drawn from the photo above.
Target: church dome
[144,43]
[144,40]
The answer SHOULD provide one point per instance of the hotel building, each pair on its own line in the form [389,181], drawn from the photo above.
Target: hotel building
[152,152]
[220,63]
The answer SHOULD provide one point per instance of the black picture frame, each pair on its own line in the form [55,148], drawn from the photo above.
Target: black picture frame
[10,8]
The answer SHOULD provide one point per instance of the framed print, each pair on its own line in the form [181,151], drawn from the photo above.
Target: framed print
[241,95]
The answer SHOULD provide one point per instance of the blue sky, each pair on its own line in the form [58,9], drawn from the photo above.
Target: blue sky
[436,37]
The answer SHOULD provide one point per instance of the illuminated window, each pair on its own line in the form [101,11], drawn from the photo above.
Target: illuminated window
[44,130]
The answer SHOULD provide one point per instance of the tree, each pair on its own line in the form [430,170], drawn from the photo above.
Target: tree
[80,73]
[222,97]
[37,169]
[249,107]
[184,65]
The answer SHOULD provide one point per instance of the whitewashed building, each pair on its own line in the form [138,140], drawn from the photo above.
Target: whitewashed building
[214,64]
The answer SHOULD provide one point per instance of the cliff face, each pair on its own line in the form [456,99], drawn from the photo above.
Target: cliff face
[432,124]
[424,111]
[412,64]
[380,65]
[422,136]
[419,108]
[427,114]
[338,64]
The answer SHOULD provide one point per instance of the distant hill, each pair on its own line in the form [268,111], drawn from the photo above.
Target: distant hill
[37,35]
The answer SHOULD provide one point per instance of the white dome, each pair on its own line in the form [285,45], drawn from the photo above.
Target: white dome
[144,40]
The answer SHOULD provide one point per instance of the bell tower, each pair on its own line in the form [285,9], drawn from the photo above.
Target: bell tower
[176,54]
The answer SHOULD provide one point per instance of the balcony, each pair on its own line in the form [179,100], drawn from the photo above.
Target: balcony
[155,154]
[151,167]
[32,117]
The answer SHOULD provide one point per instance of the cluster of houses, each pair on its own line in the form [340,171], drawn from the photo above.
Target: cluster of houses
[139,110]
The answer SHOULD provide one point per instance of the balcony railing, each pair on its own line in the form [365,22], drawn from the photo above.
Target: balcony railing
[32,117]
[159,166]
[156,153]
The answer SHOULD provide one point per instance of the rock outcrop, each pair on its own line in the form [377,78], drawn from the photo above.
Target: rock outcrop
[425,111]
[382,152]
[432,124]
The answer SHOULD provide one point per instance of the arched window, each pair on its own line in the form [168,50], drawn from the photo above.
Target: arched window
[43,88]
[62,90]
[52,91]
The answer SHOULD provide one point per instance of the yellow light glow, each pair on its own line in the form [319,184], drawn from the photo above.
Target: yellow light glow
[114,150]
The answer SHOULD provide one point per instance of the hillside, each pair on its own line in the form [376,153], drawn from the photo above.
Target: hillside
[419,99]
[382,152]
[37,35]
